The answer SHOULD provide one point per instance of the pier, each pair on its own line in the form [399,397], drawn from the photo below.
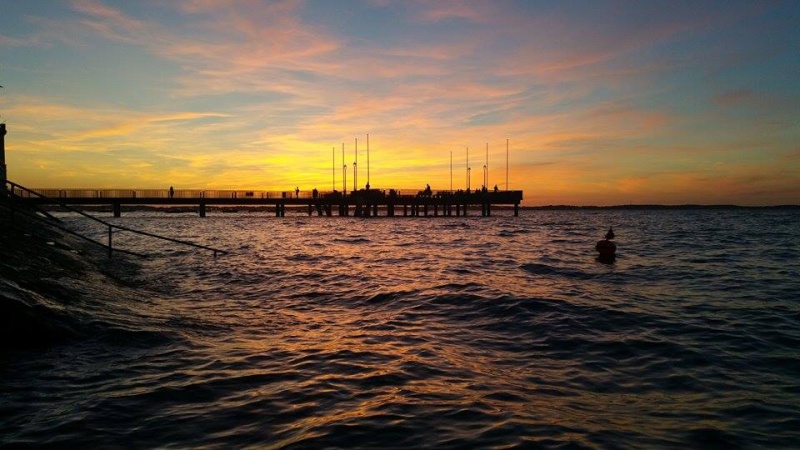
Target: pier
[362,203]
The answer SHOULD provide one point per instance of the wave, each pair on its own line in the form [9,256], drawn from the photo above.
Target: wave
[53,291]
[355,241]
[409,341]
[546,269]
[25,323]
[514,232]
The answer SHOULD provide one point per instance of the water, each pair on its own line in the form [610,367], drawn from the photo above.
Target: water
[471,332]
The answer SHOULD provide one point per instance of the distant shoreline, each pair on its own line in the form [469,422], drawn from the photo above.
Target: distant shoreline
[638,207]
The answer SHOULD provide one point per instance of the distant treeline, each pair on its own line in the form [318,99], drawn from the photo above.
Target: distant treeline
[640,207]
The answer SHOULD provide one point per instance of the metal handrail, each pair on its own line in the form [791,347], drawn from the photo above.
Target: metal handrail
[76,234]
[110,226]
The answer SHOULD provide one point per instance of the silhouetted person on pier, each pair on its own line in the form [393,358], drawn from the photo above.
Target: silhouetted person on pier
[297,192]
[315,193]
[171,192]
[495,188]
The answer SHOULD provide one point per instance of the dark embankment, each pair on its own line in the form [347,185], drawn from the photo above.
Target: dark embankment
[53,287]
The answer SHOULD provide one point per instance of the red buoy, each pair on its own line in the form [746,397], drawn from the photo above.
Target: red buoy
[606,248]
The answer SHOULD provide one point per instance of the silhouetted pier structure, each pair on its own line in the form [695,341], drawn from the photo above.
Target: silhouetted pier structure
[362,203]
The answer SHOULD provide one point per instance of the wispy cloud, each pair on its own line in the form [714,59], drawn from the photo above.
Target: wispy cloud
[608,102]
[435,11]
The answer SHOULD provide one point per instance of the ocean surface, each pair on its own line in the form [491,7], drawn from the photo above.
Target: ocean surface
[500,332]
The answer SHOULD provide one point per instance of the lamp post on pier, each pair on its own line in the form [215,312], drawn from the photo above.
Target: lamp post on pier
[467,169]
[507,188]
[355,170]
[344,173]
[486,168]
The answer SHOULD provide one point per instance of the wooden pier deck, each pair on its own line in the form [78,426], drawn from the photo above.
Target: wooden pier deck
[363,203]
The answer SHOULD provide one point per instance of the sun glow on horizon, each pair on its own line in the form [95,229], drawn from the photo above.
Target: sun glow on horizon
[665,104]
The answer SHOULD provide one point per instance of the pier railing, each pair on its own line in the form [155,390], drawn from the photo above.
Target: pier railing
[17,190]
[214,194]
[366,202]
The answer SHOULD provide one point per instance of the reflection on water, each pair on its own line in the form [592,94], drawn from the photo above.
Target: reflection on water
[446,333]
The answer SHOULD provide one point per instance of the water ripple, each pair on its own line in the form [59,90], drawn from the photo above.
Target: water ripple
[493,332]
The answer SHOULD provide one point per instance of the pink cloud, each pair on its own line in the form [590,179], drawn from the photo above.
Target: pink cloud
[554,47]
[110,22]
[437,11]
[249,40]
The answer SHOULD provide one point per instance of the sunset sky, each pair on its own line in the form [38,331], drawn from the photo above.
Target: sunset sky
[603,102]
